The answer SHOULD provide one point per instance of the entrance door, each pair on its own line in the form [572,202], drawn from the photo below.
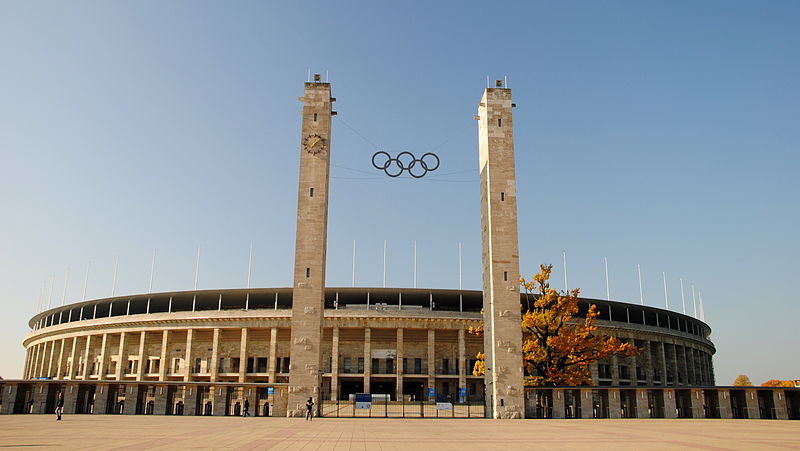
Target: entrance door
[415,390]
[350,388]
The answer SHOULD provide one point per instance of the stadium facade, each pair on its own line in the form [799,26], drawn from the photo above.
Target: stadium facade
[205,352]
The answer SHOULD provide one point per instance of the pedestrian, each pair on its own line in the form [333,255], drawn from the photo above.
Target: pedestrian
[309,407]
[59,405]
[246,408]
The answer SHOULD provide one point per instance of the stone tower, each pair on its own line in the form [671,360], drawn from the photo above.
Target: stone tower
[310,248]
[501,300]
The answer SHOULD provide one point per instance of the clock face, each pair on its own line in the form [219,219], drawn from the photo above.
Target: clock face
[314,144]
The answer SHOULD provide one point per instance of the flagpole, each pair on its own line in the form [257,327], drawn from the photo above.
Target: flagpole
[64,295]
[384,263]
[683,300]
[459,265]
[666,297]
[566,284]
[354,263]
[694,303]
[415,263]
[114,279]
[608,286]
[86,281]
[641,292]
[152,270]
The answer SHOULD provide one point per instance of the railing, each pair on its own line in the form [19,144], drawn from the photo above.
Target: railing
[402,409]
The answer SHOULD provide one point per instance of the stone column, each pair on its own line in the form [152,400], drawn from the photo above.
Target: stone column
[122,356]
[431,360]
[698,402]
[101,370]
[662,351]
[163,365]
[160,404]
[641,403]
[614,404]
[187,363]
[669,404]
[335,365]
[648,363]
[101,394]
[73,366]
[367,359]
[587,403]
[501,302]
[215,357]
[140,368]
[131,397]
[724,400]
[462,364]
[558,403]
[52,356]
[751,400]
[614,370]
[308,296]
[9,397]
[61,356]
[243,356]
[273,355]
[779,399]
[70,397]
[399,364]
[39,397]
[27,362]
[219,407]
[86,353]
[190,400]
[35,372]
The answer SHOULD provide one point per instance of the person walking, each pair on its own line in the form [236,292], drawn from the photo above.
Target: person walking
[246,408]
[309,409]
[59,405]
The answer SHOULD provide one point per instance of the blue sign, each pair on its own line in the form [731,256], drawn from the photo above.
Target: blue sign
[363,400]
[431,392]
[270,390]
[462,394]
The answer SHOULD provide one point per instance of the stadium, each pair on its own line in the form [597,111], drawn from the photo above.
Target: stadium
[367,351]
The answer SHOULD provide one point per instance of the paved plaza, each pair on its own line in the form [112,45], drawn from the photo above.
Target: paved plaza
[165,432]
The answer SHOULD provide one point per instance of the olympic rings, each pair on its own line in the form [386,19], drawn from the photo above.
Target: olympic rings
[405,161]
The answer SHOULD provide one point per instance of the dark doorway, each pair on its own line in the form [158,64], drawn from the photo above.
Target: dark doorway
[655,403]
[711,403]
[384,388]
[766,405]
[350,388]
[414,390]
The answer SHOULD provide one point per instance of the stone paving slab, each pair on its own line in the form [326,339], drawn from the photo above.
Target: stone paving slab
[170,432]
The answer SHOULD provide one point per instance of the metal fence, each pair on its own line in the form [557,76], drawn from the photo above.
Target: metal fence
[402,409]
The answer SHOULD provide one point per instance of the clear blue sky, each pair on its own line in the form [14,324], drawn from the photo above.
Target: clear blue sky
[656,133]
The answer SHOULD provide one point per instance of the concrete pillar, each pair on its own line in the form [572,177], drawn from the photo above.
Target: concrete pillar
[215,356]
[163,365]
[614,361]
[367,359]
[431,356]
[399,365]
[586,403]
[648,363]
[27,362]
[779,399]
[187,362]
[9,397]
[219,407]
[335,365]
[462,364]
[502,332]
[243,356]
[751,399]
[52,357]
[662,354]
[101,395]
[140,367]
[614,404]
[279,402]
[36,359]
[87,368]
[310,247]
[61,356]
[273,354]
[724,400]
[669,404]
[698,402]
[558,403]
[122,356]
[73,366]
[101,370]
[39,397]
[641,403]
[131,398]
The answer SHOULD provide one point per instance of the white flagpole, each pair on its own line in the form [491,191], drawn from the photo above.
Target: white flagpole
[197,269]
[666,297]
[152,271]
[566,283]
[114,279]
[683,299]
[64,294]
[459,265]
[52,284]
[694,303]
[384,263]
[702,310]
[86,281]
[249,265]
[354,264]
[608,286]
[641,292]
[415,263]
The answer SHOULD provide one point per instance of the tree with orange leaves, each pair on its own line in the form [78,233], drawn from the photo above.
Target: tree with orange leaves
[557,345]
[777,383]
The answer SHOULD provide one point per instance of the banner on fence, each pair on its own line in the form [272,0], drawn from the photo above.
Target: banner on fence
[444,406]
[363,401]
